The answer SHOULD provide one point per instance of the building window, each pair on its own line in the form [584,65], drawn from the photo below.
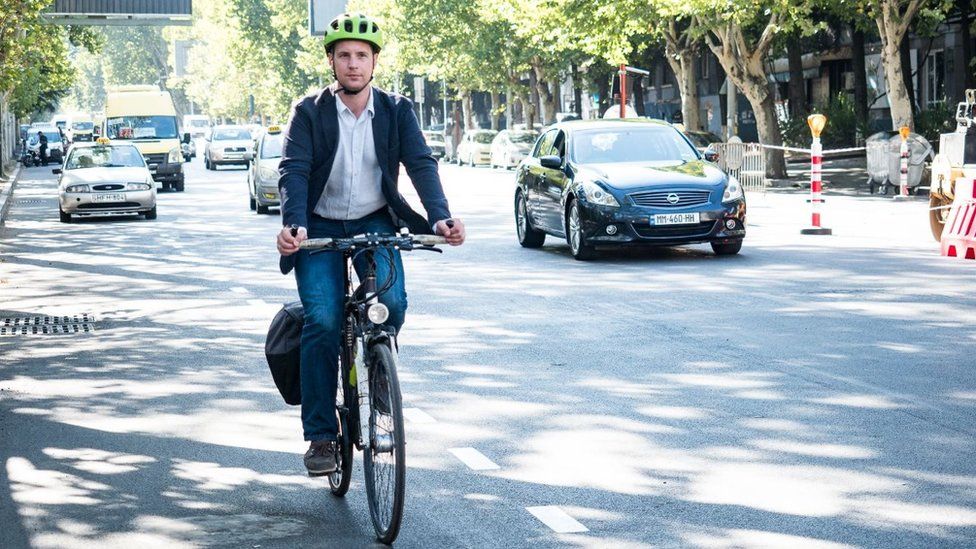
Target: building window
[935,77]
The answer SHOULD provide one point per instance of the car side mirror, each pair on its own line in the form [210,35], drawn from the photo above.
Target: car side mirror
[186,137]
[710,155]
[551,161]
[56,171]
[248,155]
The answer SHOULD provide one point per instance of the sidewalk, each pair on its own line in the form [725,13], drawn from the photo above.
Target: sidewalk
[7,184]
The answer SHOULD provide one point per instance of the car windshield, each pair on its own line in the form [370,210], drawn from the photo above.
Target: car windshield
[272,146]
[522,137]
[82,126]
[484,137]
[104,157]
[141,127]
[614,145]
[52,137]
[231,134]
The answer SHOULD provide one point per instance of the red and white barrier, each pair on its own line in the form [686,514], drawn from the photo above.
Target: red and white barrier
[816,189]
[959,235]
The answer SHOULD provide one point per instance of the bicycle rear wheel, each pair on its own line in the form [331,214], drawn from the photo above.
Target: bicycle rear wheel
[345,408]
[384,460]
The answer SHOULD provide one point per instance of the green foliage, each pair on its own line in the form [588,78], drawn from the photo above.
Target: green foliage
[935,120]
[842,129]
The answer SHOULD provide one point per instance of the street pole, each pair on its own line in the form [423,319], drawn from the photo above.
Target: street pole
[623,90]
[904,131]
[816,123]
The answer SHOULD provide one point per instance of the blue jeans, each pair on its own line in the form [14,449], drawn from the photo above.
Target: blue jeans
[320,278]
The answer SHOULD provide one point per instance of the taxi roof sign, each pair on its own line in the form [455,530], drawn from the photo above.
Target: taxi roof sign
[274,129]
[103,141]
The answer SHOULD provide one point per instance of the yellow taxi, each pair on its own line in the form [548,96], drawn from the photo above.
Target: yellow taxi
[262,174]
[105,179]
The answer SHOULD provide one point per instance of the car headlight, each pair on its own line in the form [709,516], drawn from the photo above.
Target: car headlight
[597,195]
[137,186]
[268,173]
[733,190]
[175,155]
[76,189]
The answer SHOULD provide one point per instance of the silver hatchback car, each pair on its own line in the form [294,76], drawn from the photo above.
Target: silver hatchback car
[103,179]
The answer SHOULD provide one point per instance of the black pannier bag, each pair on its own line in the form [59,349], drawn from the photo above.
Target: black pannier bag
[283,348]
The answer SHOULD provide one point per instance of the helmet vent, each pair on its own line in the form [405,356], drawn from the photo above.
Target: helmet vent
[335,24]
[348,25]
[363,27]
[375,28]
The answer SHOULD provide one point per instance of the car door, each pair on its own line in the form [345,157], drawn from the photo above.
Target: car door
[551,184]
[532,170]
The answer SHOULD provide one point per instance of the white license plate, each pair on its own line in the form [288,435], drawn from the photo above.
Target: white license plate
[108,197]
[677,219]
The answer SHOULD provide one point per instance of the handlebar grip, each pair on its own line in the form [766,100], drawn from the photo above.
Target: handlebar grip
[449,223]
[428,239]
[315,243]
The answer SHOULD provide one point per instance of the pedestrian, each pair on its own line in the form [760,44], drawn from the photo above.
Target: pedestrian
[340,161]
[42,139]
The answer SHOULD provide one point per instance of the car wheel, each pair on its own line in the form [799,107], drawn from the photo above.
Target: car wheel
[730,248]
[206,163]
[178,186]
[528,236]
[65,217]
[574,235]
[253,203]
[151,214]
[262,210]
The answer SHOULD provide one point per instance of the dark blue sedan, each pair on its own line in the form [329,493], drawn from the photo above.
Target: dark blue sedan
[624,182]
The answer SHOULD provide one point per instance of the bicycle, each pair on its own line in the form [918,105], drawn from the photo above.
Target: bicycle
[368,385]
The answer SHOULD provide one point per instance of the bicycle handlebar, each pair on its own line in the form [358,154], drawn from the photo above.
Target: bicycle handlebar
[406,242]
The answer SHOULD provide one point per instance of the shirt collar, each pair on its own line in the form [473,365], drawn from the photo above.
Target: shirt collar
[369,104]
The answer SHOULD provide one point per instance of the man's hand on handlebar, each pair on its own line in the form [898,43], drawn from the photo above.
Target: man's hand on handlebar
[289,238]
[452,230]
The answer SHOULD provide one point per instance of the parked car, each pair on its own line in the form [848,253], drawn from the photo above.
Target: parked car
[227,145]
[701,140]
[621,182]
[475,147]
[435,140]
[262,174]
[511,146]
[102,179]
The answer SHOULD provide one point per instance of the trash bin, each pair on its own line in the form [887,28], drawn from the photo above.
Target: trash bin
[876,148]
[919,150]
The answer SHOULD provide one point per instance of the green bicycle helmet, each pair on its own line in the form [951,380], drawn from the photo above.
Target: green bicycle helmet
[353,27]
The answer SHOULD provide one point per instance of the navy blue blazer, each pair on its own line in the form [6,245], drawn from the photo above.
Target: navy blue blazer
[310,144]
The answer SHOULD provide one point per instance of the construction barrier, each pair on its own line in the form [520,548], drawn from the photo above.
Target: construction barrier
[745,161]
[959,235]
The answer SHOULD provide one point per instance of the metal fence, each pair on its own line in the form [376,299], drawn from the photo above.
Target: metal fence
[745,161]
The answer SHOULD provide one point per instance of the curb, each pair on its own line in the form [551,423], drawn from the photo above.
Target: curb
[5,194]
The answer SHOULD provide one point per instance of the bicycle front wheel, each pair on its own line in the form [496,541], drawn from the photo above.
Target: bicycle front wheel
[384,460]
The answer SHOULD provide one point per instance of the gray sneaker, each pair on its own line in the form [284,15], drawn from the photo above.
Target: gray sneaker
[320,459]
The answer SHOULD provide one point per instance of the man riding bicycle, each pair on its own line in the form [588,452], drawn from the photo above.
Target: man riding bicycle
[339,166]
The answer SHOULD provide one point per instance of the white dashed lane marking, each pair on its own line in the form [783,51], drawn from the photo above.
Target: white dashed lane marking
[239,290]
[474,459]
[256,302]
[416,415]
[557,519]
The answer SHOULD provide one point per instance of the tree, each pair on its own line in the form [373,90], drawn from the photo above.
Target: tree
[740,33]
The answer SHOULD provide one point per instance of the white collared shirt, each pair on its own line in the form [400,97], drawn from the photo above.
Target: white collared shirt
[353,189]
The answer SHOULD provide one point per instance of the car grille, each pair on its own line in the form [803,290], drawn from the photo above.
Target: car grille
[659,199]
[108,205]
[155,158]
[110,187]
[646,230]
[234,149]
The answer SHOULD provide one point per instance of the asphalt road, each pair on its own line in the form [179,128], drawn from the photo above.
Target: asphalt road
[809,392]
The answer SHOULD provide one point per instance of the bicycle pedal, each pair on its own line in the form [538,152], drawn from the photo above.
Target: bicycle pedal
[313,475]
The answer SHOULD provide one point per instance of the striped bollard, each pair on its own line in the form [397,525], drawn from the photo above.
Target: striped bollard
[816,123]
[904,131]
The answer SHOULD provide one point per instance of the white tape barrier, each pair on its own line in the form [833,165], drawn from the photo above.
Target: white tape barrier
[808,151]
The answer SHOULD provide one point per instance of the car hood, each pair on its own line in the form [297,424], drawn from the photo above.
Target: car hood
[95,176]
[632,175]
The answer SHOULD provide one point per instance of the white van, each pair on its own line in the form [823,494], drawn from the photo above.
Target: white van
[197,125]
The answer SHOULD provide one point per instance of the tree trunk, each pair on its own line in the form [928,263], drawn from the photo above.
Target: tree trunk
[495,109]
[756,90]
[546,101]
[468,110]
[901,108]
[577,91]
[509,103]
[555,98]
[797,85]
[533,100]
[905,58]
[604,102]
[860,78]
[965,12]
[683,65]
